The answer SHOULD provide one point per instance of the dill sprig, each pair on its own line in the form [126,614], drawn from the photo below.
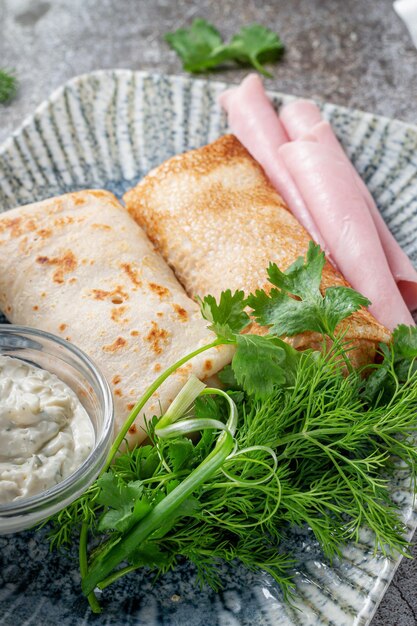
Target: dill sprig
[338,452]
[8,85]
[69,520]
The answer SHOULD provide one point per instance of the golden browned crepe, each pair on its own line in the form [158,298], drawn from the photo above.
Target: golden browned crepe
[218,222]
[80,267]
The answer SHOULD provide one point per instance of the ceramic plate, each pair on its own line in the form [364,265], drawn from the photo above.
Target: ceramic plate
[106,130]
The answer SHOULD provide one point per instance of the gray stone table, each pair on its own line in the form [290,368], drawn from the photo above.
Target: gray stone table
[352,52]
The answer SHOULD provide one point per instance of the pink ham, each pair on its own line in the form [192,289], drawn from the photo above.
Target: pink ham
[255,123]
[325,193]
[302,117]
[299,117]
[329,187]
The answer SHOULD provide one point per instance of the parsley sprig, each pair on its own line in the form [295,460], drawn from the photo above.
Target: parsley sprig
[202,48]
[309,310]
[295,438]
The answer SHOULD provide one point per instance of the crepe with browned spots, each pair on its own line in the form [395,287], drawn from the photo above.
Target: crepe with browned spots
[218,222]
[80,267]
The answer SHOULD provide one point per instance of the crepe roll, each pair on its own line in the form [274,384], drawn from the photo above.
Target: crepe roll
[79,266]
[218,222]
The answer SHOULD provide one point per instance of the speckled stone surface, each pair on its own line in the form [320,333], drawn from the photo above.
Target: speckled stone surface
[352,52]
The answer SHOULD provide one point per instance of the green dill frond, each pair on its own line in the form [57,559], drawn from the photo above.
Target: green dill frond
[63,525]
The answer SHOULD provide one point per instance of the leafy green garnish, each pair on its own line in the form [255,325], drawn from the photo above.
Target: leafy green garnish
[201,46]
[398,361]
[228,378]
[295,439]
[297,305]
[256,45]
[125,502]
[227,318]
[8,85]
[404,340]
[259,364]
[180,454]
[312,452]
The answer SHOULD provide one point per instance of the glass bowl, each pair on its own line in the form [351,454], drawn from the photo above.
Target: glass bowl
[73,367]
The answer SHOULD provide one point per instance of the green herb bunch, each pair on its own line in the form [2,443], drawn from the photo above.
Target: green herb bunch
[8,85]
[202,48]
[294,438]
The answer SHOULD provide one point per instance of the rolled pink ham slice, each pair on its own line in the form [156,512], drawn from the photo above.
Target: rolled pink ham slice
[323,190]
[329,188]
[255,123]
[303,118]
[299,117]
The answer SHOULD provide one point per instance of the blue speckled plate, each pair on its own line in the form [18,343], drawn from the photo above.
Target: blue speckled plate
[106,130]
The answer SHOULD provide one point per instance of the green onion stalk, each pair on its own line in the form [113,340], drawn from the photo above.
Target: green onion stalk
[100,573]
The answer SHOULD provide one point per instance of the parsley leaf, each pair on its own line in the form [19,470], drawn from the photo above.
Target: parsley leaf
[405,341]
[126,502]
[228,317]
[399,361]
[301,279]
[297,305]
[201,47]
[256,44]
[259,365]
[197,46]
[227,377]
[339,303]
[8,85]
[180,453]
[209,407]
[137,464]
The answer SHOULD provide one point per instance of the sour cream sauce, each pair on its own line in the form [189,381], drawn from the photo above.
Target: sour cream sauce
[45,432]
